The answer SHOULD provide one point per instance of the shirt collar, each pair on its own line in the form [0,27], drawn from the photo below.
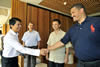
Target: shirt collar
[14,33]
[59,31]
[32,31]
[83,21]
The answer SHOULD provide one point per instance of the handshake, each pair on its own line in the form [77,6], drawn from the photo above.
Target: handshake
[44,51]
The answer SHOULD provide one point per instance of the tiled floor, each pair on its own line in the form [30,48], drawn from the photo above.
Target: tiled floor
[37,65]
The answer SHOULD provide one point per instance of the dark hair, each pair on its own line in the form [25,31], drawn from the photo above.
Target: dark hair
[59,22]
[79,6]
[13,20]
[0,32]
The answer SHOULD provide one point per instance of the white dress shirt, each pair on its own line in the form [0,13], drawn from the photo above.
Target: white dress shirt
[13,48]
[31,38]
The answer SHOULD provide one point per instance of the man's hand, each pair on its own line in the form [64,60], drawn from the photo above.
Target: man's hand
[66,60]
[47,58]
[43,52]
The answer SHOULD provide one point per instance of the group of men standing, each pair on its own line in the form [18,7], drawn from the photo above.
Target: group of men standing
[84,36]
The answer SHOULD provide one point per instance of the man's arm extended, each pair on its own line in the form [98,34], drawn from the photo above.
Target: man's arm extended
[56,45]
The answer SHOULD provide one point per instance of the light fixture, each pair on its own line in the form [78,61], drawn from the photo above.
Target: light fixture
[32,1]
[65,3]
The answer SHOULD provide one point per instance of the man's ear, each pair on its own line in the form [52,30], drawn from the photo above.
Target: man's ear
[28,26]
[11,26]
[60,25]
[82,10]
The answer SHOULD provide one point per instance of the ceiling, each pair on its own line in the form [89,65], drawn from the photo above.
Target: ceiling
[92,6]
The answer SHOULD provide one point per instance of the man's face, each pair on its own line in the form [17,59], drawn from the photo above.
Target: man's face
[76,14]
[16,27]
[30,26]
[55,25]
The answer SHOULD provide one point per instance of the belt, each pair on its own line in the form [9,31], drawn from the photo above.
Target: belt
[31,47]
[11,58]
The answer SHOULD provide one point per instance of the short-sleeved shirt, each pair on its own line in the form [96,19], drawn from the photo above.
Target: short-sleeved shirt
[85,39]
[58,54]
[31,38]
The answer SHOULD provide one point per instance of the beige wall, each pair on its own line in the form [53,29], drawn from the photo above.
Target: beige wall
[0,27]
[5,3]
[5,6]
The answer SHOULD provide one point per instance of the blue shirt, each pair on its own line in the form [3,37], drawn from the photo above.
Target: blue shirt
[31,38]
[85,39]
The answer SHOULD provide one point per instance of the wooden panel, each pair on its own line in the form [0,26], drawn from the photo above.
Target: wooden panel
[32,14]
[66,22]
[8,27]
[43,26]
[53,16]
[19,10]
[4,29]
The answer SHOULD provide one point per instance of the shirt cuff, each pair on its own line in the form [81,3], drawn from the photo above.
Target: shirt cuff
[36,52]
